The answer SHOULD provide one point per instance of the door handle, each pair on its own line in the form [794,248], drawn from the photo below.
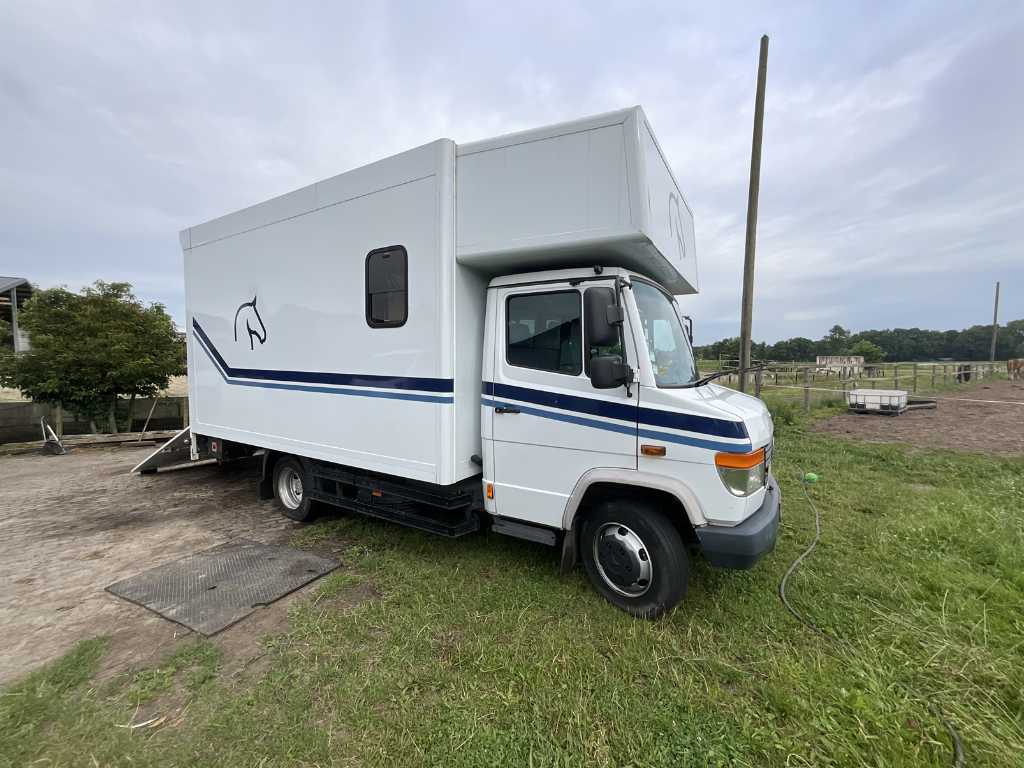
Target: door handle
[506,409]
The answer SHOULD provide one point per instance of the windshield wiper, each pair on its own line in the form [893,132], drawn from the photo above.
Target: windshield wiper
[728,372]
[711,377]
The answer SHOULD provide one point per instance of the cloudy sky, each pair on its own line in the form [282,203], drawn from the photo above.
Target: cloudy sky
[893,173]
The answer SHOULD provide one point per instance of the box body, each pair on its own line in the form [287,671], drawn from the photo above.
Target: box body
[280,353]
[597,190]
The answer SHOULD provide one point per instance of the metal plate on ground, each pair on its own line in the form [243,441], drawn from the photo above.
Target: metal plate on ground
[211,590]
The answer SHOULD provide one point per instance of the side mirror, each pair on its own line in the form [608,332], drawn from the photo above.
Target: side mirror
[608,372]
[603,317]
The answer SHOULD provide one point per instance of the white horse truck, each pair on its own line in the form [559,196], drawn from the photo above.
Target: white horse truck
[485,335]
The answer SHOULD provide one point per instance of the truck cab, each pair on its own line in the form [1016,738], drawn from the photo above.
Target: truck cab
[595,423]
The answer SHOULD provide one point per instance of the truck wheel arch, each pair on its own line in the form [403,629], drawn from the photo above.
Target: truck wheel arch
[604,479]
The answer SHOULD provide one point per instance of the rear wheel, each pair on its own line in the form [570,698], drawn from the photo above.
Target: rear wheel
[290,485]
[635,557]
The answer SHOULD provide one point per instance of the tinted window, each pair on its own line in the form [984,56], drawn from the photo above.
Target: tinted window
[387,276]
[543,331]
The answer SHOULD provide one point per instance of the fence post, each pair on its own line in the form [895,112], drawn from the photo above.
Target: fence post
[183,409]
[895,377]
[757,383]
[807,390]
[57,414]
[945,375]
[915,378]
[933,376]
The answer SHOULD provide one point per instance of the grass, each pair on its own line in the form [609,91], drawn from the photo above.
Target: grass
[478,653]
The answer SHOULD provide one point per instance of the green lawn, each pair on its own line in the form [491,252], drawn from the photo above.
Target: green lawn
[478,653]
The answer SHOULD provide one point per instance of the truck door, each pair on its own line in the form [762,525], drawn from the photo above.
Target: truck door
[549,424]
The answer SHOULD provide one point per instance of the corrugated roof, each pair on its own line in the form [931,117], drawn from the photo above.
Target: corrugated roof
[6,283]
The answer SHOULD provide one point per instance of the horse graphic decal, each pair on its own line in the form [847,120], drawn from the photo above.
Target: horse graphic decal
[675,223]
[254,335]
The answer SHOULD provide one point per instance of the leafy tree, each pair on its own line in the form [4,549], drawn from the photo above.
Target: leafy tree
[896,344]
[88,349]
[835,341]
[872,353]
[798,349]
[726,348]
[5,333]
[1012,336]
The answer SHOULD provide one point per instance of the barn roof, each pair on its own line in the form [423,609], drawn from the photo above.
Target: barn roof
[7,283]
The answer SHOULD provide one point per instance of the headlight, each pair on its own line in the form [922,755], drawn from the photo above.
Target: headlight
[742,473]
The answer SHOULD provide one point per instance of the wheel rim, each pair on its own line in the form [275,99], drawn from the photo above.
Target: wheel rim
[289,488]
[622,560]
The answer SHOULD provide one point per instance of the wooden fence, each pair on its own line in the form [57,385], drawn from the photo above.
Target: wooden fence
[803,379]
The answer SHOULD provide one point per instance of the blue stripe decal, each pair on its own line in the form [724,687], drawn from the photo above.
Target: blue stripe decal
[689,422]
[211,353]
[314,377]
[564,417]
[696,442]
[711,445]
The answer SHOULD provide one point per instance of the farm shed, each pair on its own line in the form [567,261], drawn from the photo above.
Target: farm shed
[14,292]
[847,365]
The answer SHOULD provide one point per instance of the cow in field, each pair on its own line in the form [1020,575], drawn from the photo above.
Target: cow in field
[1015,368]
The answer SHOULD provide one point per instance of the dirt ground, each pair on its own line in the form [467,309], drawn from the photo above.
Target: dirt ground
[977,427]
[71,525]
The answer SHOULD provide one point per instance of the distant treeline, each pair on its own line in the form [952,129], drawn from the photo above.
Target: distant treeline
[892,345]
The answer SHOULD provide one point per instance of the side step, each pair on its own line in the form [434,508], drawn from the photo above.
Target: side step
[525,531]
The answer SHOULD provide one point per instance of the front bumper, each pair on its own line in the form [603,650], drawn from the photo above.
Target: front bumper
[743,545]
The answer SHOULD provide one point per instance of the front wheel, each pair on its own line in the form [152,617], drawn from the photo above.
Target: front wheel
[634,557]
[290,481]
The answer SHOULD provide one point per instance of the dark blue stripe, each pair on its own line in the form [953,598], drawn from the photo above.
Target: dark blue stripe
[549,399]
[650,416]
[326,390]
[712,445]
[313,377]
[564,417]
[607,426]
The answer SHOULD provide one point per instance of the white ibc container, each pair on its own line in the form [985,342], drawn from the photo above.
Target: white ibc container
[880,400]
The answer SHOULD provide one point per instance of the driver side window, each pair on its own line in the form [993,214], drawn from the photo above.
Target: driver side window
[543,331]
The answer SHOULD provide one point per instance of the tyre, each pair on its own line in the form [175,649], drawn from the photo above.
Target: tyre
[634,557]
[290,483]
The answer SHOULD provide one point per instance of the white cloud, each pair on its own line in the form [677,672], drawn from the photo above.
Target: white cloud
[892,171]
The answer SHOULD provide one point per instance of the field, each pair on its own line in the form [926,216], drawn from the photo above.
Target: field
[421,651]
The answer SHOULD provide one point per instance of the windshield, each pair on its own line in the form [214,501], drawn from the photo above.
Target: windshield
[667,345]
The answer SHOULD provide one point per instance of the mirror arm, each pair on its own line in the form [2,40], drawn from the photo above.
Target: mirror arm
[621,306]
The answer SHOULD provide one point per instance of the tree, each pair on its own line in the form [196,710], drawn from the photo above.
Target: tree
[797,349]
[88,349]
[872,353]
[1012,336]
[835,341]
[5,333]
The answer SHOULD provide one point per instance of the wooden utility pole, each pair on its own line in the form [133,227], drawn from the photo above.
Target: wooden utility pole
[746,316]
[995,327]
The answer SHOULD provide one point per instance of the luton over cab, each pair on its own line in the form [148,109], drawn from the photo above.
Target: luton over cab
[487,335]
